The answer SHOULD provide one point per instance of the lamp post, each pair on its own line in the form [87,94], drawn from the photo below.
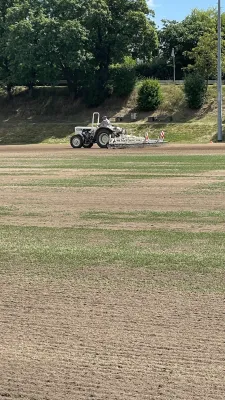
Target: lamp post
[174,65]
[219,78]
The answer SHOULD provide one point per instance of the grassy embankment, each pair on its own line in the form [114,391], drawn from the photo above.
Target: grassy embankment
[50,116]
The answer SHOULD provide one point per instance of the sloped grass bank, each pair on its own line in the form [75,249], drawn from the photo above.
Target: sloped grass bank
[53,132]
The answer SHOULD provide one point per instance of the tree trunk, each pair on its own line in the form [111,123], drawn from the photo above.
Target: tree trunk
[72,89]
[71,83]
[30,89]
[9,91]
[102,79]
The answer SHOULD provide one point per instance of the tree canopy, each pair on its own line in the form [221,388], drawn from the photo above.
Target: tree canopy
[43,41]
[184,36]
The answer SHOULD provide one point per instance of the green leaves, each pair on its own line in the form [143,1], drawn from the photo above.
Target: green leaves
[42,41]
[123,78]
[144,38]
[149,95]
[204,55]
[184,36]
[195,89]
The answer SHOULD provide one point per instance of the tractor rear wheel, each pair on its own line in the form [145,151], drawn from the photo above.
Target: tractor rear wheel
[103,139]
[76,141]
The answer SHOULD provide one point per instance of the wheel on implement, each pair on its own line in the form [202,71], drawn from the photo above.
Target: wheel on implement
[102,138]
[76,141]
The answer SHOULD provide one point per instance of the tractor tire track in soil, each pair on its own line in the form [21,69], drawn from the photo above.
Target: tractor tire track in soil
[111,334]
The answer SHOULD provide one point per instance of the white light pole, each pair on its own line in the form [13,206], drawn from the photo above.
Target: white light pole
[174,66]
[219,78]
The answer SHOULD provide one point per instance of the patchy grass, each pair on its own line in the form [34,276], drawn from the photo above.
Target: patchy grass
[155,216]
[57,252]
[6,210]
[214,187]
[98,181]
[141,165]
[209,188]
[83,305]
[107,180]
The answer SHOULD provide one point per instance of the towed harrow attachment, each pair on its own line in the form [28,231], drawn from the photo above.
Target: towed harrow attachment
[124,141]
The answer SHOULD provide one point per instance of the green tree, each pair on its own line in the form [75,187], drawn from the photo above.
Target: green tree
[73,39]
[5,74]
[204,56]
[45,42]
[62,48]
[184,36]
[21,51]
[112,35]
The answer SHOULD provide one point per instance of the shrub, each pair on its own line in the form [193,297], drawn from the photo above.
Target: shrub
[149,95]
[195,89]
[158,69]
[123,79]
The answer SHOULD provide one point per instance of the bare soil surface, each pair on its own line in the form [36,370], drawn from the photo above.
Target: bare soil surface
[87,338]
[108,333]
[167,147]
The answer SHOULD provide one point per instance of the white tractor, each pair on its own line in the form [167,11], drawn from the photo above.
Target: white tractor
[100,133]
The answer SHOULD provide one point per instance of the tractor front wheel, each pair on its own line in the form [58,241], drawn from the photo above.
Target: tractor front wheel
[76,141]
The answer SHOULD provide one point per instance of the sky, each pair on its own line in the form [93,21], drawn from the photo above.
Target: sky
[179,9]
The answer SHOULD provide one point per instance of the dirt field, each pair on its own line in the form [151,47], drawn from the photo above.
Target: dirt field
[106,333]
